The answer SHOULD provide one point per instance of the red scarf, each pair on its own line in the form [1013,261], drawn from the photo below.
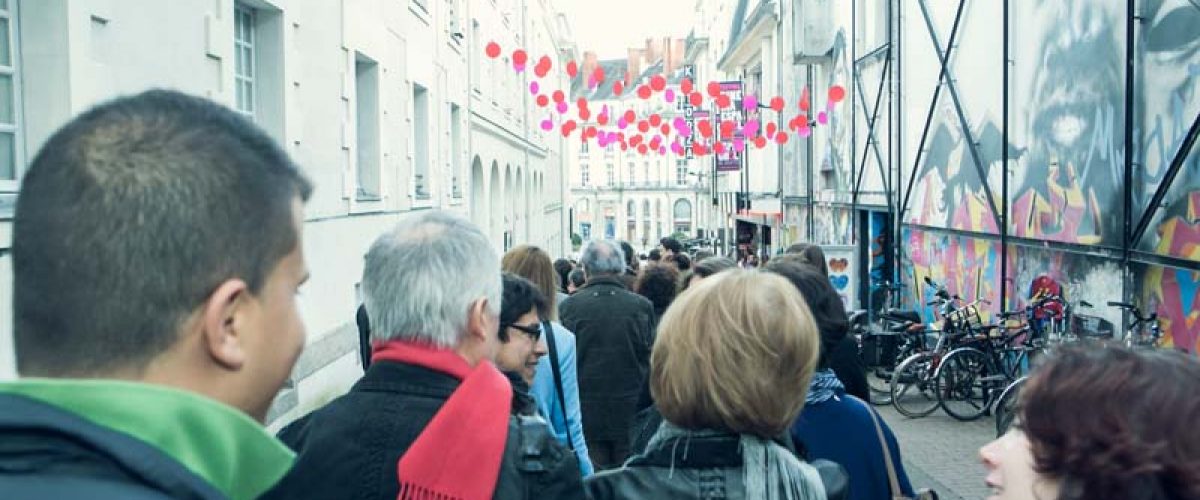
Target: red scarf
[457,456]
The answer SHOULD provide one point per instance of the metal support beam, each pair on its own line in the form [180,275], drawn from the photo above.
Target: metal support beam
[876,52]
[937,91]
[962,117]
[1004,166]
[872,142]
[1181,156]
[1127,201]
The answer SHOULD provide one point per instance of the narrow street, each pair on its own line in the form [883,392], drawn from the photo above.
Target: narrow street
[942,453]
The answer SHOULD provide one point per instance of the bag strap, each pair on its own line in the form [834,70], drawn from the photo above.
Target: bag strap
[893,483]
[548,331]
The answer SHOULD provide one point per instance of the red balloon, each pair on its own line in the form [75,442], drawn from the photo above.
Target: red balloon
[777,104]
[804,101]
[635,140]
[655,120]
[519,57]
[685,86]
[618,88]
[705,128]
[581,102]
[719,148]
[781,138]
[642,149]
[723,101]
[566,131]
[727,128]
[771,128]
[602,119]
[629,116]
[696,99]
[493,50]
[658,83]
[543,67]
[543,101]
[591,131]
[643,126]
[624,146]
[584,114]
[572,69]
[666,129]
[714,89]
[836,94]
[760,142]
[643,92]
[598,74]
[558,96]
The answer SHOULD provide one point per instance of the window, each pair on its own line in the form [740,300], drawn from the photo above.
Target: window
[366,95]
[11,151]
[632,174]
[583,175]
[683,216]
[646,214]
[419,133]
[454,12]
[631,210]
[681,172]
[608,172]
[456,151]
[245,62]
[583,148]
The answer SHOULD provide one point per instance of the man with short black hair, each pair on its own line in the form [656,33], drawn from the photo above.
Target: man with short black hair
[614,329]
[670,246]
[156,258]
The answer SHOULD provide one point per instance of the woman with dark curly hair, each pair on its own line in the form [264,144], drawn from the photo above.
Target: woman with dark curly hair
[1099,424]
[657,283]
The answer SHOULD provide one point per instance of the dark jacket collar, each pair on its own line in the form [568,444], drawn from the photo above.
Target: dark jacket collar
[606,280]
[393,377]
[698,452]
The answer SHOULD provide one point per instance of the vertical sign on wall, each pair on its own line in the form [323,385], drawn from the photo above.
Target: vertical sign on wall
[731,159]
[840,261]
[685,105]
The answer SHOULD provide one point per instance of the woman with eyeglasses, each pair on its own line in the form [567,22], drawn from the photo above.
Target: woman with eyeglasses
[521,343]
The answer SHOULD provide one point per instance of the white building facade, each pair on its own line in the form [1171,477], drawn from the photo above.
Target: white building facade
[380,102]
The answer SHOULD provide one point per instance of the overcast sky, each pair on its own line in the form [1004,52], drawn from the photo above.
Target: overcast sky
[609,27]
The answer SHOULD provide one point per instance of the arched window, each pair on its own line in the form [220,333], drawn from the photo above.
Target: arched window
[631,210]
[646,210]
[683,216]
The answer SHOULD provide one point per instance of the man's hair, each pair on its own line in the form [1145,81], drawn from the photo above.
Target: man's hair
[655,255]
[631,258]
[420,279]
[704,269]
[823,301]
[533,264]
[577,278]
[735,353]
[671,244]
[601,257]
[130,216]
[520,296]
[657,283]
[681,261]
[563,267]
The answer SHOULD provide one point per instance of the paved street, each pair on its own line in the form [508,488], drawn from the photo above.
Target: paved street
[942,453]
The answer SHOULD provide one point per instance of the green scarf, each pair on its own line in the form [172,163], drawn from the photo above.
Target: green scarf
[216,442]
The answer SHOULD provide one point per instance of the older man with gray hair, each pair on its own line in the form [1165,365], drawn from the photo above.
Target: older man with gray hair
[431,416]
[614,329]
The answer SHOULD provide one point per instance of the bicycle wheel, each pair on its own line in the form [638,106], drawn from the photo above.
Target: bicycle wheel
[962,383]
[1006,406]
[913,386]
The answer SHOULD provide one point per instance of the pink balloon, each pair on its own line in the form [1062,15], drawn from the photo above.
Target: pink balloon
[676,148]
[679,123]
[621,123]
[751,129]
[823,118]
[669,95]
[805,132]
[561,107]
[547,124]
[519,67]
[739,145]
[750,103]
[533,88]
[662,150]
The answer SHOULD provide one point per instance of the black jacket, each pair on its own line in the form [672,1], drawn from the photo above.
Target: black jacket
[46,452]
[701,467]
[349,448]
[614,329]
[849,368]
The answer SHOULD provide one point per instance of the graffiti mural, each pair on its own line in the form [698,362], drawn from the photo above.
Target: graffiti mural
[1171,292]
[1168,102]
[832,226]
[968,267]
[1084,278]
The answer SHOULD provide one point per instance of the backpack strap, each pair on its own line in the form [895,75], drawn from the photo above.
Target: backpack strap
[548,331]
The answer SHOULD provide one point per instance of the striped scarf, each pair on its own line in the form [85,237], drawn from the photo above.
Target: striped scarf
[824,386]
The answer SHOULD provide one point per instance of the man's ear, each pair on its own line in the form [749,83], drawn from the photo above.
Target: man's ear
[222,322]
[477,321]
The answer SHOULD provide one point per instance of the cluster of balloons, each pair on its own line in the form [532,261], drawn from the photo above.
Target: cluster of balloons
[652,134]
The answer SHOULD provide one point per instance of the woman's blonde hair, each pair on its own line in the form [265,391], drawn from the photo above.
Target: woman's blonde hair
[534,264]
[735,353]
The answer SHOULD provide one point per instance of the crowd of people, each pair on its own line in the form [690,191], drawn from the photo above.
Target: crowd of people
[158,250]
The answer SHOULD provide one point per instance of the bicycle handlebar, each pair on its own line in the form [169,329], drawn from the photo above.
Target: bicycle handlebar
[1121,305]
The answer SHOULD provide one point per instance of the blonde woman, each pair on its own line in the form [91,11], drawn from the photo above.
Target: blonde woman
[729,372]
[563,414]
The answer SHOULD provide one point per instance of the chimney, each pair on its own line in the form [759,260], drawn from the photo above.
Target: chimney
[587,66]
[674,56]
[633,66]
[654,50]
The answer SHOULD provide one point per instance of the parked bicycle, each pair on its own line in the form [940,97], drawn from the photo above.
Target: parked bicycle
[1143,332]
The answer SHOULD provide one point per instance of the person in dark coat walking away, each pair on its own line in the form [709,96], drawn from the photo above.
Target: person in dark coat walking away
[431,418]
[657,283]
[614,329]
[729,371]
[157,254]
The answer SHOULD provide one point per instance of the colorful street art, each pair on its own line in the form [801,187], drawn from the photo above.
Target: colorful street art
[1171,293]
[968,267]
